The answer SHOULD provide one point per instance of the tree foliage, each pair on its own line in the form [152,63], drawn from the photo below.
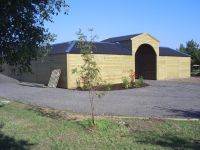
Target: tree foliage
[193,49]
[89,72]
[23,36]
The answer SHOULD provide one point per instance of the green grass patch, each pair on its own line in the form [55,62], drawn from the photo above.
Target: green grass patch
[25,128]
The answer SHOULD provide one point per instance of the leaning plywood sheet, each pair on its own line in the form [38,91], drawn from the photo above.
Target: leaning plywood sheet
[55,75]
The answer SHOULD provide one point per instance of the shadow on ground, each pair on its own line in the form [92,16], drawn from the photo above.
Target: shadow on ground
[171,141]
[187,113]
[10,143]
[32,85]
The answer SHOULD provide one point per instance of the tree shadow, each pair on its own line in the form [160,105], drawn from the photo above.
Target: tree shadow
[170,141]
[10,143]
[187,113]
[1,104]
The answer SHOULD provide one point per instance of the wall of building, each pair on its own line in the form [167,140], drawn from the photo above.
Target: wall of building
[112,67]
[41,70]
[170,67]
[144,39]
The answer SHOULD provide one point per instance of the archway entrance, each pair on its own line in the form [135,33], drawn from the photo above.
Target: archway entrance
[145,62]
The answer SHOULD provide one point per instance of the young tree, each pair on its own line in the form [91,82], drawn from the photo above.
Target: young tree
[23,36]
[89,73]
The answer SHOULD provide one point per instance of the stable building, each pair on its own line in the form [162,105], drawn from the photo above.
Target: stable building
[116,57]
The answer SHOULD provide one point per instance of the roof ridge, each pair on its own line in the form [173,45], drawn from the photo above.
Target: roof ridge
[107,42]
[62,42]
[127,35]
[121,38]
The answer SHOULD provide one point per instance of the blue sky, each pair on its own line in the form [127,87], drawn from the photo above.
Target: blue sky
[171,21]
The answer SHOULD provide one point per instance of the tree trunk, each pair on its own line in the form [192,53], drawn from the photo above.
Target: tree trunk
[91,97]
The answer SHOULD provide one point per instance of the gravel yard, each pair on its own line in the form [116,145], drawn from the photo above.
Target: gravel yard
[177,98]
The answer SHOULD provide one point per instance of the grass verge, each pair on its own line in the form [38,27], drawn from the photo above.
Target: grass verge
[24,127]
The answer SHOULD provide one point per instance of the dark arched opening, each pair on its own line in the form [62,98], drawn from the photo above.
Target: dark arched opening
[145,62]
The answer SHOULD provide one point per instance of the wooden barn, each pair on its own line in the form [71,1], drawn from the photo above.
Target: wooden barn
[115,57]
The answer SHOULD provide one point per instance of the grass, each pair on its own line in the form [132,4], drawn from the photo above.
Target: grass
[24,127]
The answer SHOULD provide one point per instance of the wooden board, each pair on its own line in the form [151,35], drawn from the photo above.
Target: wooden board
[55,75]
[112,67]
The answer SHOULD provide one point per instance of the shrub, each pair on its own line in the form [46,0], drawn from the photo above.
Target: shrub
[107,86]
[139,82]
[125,82]
[132,77]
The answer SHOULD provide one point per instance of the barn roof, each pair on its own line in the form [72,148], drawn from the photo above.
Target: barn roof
[166,51]
[99,48]
[105,47]
[121,38]
[60,48]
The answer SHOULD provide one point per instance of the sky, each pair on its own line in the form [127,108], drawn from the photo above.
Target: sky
[171,21]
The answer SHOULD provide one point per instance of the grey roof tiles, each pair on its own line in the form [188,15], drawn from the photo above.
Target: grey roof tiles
[110,46]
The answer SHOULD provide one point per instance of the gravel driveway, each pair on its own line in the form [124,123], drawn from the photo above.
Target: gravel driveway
[160,99]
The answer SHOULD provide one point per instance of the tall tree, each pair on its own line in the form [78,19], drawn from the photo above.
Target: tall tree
[23,36]
[192,48]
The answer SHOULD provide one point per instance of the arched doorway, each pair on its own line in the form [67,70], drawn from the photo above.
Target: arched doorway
[145,62]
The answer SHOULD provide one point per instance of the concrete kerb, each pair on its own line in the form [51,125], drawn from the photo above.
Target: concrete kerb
[158,118]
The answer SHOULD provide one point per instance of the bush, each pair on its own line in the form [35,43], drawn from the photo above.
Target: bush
[107,87]
[132,77]
[195,72]
[139,82]
[125,82]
